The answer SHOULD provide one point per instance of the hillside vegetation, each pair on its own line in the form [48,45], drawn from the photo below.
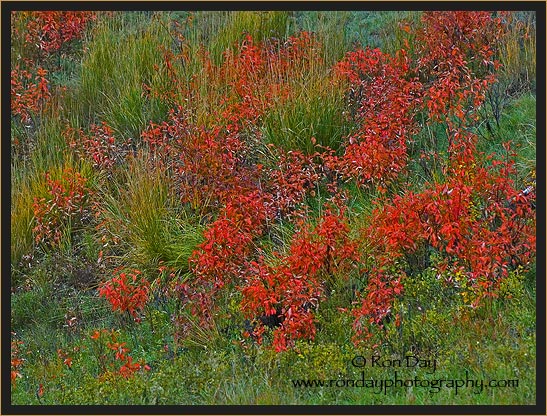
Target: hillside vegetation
[210,207]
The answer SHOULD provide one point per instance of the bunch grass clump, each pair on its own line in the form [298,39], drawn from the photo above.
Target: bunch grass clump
[143,214]
[115,69]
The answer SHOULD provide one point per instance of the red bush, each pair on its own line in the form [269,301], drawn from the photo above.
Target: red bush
[208,165]
[50,30]
[126,292]
[288,183]
[67,203]
[100,147]
[29,93]
[383,95]
[291,290]
[476,222]
[111,354]
[223,257]
[473,220]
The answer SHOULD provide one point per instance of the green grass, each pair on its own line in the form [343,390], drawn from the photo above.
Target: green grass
[29,184]
[330,28]
[22,215]
[314,114]
[342,30]
[222,31]
[143,215]
[517,53]
[517,126]
[496,341]
[111,87]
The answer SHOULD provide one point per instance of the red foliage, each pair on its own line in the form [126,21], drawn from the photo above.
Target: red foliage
[382,289]
[211,169]
[16,360]
[471,218]
[126,292]
[227,241]
[291,290]
[67,360]
[100,147]
[476,222]
[67,202]
[208,165]
[295,175]
[258,76]
[50,30]
[29,93]
[383,96]
[112,353]
[245,73]
[456,51]
[222,258]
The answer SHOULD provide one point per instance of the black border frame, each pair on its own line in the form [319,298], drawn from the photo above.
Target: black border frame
[538,6]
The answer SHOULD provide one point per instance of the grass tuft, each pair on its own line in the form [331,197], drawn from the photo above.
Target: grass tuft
[118,62]
[143,215]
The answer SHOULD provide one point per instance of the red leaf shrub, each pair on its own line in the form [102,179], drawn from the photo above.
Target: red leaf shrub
[223,257]
[100,147]
[473,220]
[293,288]
[476,223]
[288,183]
[383,95]
[67,203]
[126,292]
[29,93]
[113,356]
[456,52]
[50,30]
[208,165]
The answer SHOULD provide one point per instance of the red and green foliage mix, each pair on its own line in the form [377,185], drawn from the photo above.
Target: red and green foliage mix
[293,288]
[44,32]
[384,96]
[49,31]
[29,93]
[126,292]
[100,147]
[295,175]
[475,222]
[468,218]
[67,359]
[253,76]
[113,356]
[16,360]
[472,221]
[66,205]
[208,165]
